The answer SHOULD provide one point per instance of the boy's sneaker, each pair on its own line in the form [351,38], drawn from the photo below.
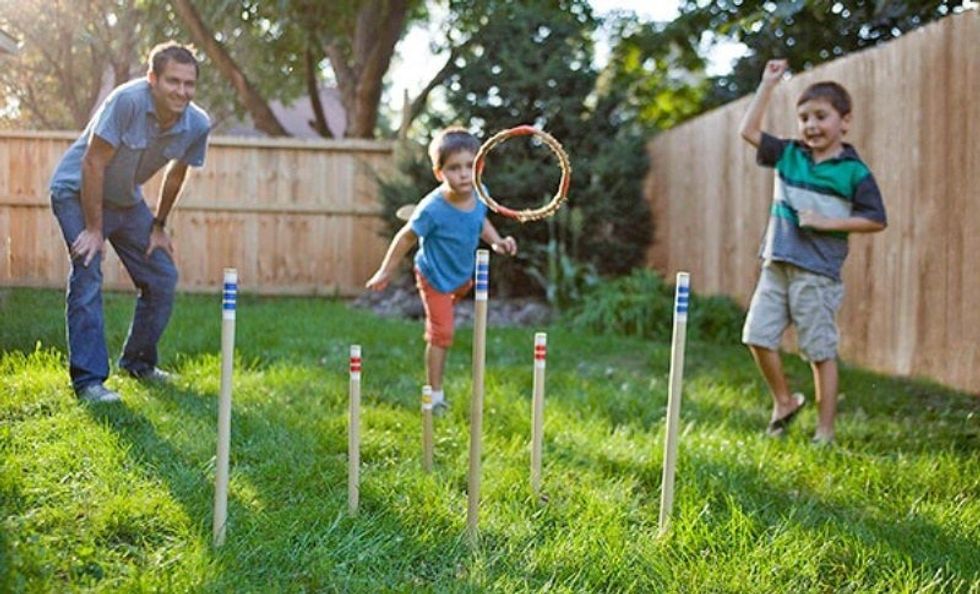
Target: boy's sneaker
[153,375]
[439,404]
[97,393]
[822,441]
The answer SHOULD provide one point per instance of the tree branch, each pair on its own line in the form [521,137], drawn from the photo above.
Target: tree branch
[418,104]
[319,122]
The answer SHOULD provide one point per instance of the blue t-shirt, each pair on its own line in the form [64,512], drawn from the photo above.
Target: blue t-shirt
[448,238]
[127,120]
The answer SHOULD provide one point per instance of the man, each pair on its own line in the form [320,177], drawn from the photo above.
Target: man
[96,195]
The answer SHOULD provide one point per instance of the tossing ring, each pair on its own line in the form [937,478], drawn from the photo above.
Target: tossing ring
[528,214]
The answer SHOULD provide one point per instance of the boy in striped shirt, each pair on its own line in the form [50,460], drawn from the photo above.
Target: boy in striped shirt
[823,191]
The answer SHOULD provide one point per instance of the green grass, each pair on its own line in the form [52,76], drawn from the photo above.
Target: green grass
[118,497]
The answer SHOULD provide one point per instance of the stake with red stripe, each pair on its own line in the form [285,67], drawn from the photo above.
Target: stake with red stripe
[354,431]
[537,409]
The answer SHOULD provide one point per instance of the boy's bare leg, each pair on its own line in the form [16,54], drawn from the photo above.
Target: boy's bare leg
[771,366]
[435,365]
[825,385]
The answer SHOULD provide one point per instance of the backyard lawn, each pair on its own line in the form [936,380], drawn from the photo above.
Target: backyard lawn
[118,497]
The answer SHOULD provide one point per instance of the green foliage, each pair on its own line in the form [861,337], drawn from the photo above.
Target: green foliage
[654,77]
[642,304]
[118,498]
[662,71]
[806,32]
[564,279]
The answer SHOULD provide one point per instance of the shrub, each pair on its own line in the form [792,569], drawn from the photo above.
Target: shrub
[641,304]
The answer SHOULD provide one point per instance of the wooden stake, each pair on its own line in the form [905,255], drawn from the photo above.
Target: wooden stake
[537,409]
[228,303]
[476,403]
[681,298]
[354,432]
[427,428]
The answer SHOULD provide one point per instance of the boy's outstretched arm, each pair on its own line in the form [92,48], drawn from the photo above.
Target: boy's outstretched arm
[751,127]
[400,244]
[501,245]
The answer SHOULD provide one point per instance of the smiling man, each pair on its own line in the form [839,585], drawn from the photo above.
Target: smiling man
[96,195]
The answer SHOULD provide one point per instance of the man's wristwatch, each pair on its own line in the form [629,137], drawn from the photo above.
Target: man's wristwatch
[161,223]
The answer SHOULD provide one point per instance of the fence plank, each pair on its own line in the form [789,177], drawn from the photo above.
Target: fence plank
[913,291]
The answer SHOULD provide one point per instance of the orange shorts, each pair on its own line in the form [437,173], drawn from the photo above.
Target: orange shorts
[439,310]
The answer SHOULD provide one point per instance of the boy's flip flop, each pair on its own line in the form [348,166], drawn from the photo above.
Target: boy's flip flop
[778,427]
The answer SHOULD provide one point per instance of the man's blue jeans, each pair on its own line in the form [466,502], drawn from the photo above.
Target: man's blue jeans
[155,277]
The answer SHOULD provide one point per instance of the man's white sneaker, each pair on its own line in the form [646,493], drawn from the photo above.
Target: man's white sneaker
[97,393]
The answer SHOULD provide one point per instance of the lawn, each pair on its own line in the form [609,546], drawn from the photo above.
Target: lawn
[118,497]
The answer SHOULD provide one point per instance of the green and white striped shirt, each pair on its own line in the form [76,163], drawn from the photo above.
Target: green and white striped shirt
[837,188]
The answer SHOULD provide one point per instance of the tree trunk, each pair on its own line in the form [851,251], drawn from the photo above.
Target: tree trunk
[255,104]
[360,69]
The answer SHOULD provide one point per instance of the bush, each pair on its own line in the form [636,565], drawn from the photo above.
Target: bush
[641,304]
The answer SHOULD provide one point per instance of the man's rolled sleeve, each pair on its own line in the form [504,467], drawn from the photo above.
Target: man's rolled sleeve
[114,117]
[195,154]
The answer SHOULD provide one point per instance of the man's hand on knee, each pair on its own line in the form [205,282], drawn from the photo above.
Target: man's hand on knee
[87,245]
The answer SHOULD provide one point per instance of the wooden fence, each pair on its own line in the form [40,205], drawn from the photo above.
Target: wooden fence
[913,291]
[294,217]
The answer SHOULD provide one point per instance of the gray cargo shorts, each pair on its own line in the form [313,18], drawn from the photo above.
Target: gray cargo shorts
[788,294]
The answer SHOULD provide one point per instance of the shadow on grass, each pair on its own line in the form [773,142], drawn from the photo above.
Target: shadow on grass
[184,474]
[157,457]
[776,503]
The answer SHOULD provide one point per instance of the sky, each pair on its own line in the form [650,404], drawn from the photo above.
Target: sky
[415,74]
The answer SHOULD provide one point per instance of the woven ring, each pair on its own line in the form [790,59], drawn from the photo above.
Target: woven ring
[529,214]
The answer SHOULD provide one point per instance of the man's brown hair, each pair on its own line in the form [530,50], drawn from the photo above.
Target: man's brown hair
[162,53]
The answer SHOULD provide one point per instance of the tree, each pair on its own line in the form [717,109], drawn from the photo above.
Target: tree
[655,74]
[806,32]
[71,51]
[254,102]
[359,45]
[356,37]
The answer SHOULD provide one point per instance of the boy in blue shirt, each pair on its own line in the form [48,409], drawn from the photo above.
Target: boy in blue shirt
[96,195]
[448,224]
[823,191]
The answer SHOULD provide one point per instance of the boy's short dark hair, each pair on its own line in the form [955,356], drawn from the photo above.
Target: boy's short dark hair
[162,53]
[449,142]
[829,91]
